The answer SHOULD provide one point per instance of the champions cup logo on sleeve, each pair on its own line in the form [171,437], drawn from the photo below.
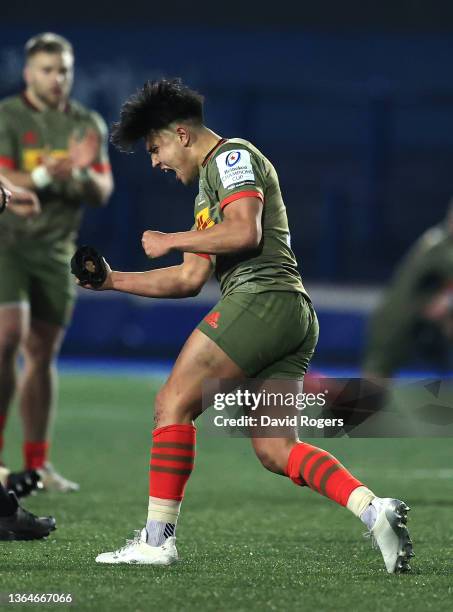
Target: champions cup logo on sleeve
[235,168]
[233,158]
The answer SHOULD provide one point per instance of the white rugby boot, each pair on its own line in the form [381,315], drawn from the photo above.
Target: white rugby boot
[138,552]
[51,480]
[390,534]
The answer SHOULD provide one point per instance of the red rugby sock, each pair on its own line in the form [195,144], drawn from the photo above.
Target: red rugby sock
[172,457]
[313,467]
[35,454]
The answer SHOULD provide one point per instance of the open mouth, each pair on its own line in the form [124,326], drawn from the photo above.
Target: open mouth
[167,170]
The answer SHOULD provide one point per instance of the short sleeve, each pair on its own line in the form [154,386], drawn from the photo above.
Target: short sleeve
[235,174]
[8,149]
[204,255]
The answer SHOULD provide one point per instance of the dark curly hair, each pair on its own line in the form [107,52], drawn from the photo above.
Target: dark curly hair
[154,107]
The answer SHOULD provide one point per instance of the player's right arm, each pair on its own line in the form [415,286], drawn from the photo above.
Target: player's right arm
[21,202]
[185,280]
[8,153]
[20,179]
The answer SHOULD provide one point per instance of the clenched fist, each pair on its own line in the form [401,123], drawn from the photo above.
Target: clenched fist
[155,244]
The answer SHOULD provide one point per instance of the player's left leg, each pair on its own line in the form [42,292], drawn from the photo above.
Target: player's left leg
[51,293]
[309,465]
[37,400]
[40,349]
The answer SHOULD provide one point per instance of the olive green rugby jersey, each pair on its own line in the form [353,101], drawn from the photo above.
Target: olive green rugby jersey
[236,169]
[425,270]
[26,134]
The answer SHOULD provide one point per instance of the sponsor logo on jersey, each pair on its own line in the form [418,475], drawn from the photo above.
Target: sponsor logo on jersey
[232,158]
[235,168]
[31,158]
[212,319]
[203,220]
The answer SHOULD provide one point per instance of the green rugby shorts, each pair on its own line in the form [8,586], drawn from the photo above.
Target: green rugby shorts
[268,335]
[38,274]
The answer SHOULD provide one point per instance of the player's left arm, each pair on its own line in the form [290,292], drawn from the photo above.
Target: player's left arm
[91,166]
[240,230]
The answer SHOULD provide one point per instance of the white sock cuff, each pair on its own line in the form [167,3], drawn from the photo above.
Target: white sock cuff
[4,473]
[163,510]
[359,499]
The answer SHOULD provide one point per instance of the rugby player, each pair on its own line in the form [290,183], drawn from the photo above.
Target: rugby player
[25,204]
[264,325]
[15,522]
[57,148]
[420,297]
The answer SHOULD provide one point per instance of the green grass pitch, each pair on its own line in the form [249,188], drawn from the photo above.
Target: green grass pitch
[249,540]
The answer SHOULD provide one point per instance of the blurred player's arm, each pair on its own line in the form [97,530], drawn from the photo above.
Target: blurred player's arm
[185,280]
[20,201]
[92,183]
[93,186]
[8,154]
[17,177]
[84,173]
[240,230]
[92,178]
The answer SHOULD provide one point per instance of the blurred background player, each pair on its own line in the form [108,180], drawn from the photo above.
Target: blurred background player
[417,309]
[26,204]
[15,522]
[57,148]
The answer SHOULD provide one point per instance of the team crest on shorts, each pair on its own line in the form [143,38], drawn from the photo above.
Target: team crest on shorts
[212,319]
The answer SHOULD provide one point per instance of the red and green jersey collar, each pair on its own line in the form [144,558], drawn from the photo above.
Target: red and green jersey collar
[213,150]
[26,100]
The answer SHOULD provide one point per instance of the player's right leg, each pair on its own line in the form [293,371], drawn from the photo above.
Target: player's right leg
[173,449]
[14,322]
[224,346]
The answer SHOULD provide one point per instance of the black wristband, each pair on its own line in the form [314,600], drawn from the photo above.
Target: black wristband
[3,199]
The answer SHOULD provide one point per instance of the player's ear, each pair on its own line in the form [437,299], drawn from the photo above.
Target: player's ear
[26,74]
[184,135]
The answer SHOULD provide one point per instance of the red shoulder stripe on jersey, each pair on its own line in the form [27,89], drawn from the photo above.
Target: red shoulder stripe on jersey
[241,194]
[7,162]
[101,168]
[205,255]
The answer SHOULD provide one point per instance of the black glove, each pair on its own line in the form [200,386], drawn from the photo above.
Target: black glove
[89,266]
[23,483]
